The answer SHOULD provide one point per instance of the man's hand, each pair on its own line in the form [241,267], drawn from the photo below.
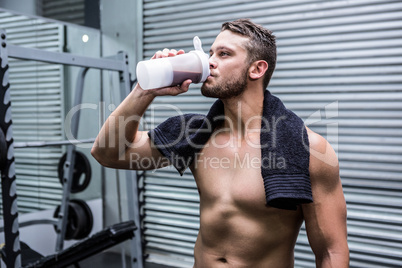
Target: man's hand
[173,91]
[119,138]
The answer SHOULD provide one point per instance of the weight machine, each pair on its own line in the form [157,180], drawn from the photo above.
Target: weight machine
[103,239]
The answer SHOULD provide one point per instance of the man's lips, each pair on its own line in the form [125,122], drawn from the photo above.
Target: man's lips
[211,75]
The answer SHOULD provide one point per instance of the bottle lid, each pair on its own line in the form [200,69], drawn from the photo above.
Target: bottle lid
[204,58]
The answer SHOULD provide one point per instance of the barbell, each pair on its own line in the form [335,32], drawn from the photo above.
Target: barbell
[50,143]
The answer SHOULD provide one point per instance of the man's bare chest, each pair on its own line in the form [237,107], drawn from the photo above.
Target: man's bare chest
[229,172]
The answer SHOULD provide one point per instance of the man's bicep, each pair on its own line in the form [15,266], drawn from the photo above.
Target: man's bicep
[142,154]
[325,218]
[325,221]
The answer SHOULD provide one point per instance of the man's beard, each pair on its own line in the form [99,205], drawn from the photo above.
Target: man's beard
[230,89]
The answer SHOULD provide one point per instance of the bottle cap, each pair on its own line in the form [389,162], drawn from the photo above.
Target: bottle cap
[204,58]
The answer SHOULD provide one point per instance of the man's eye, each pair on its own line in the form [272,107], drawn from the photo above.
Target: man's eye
[224,53]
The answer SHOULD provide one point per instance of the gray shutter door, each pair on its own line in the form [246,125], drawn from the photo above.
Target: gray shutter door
[72,11]
[340,69]
[37,105]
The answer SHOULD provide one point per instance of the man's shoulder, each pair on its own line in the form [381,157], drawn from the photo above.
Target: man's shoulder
[324,166]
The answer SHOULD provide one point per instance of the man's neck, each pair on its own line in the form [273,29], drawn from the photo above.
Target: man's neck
[243,113]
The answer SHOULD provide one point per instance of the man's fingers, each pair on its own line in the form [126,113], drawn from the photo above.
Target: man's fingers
[157,55]
[185,85]
[173,91]
[172,52]
[167,53]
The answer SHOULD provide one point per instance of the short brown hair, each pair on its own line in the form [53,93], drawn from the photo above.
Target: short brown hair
[262,45]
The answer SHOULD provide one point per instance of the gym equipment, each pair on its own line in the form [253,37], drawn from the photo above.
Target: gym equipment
[79,221]
[3,150]
[69,165]
[107,238]
[82,168]
[50,143]
[104,239]
[8,184]
[11,253]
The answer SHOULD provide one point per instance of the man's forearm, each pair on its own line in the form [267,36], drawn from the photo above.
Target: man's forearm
[334,260]
[121,127]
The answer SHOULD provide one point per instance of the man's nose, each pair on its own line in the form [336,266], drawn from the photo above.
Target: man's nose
[212,63]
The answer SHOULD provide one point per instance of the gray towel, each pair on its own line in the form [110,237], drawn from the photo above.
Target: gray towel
[284,148]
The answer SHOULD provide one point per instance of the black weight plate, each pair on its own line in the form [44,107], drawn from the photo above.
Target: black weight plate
[84,226]
[3,150]
[80,220]
[71,225]
[82,167]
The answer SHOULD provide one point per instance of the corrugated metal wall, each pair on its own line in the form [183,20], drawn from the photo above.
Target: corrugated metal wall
[339,68]
[37,110]
[72,11]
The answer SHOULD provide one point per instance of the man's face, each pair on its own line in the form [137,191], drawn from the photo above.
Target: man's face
[229,67]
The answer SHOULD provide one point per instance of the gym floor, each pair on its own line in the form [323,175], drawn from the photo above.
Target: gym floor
[112,260]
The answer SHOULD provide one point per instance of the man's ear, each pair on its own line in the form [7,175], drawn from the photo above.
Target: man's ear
[258,69]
